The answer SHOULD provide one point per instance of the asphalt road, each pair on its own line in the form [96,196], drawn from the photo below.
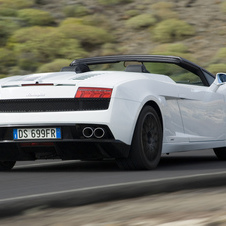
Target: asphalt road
[41,177]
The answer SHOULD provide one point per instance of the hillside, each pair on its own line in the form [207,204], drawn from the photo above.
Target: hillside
[44,35]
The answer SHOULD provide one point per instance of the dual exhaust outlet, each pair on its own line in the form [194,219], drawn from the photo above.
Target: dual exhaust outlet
[89,132]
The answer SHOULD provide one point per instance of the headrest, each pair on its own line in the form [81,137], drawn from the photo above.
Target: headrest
[136,68]
[80,68]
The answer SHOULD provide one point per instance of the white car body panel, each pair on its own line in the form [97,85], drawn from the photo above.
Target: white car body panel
[129,97]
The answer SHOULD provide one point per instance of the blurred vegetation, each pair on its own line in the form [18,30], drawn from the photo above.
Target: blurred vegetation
[16,4]
[8,12]
[221,55]
[7,27]
[223,6]
[42,35]
[215,68]
[55,65]
[34,46]
[35,17]
[218,63]
[86,34]
[75,10]
[141,21]
[172,29]
[132,12]
[164,10]
[174,49]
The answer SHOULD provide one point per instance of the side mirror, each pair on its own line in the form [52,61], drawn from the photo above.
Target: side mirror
[219,80]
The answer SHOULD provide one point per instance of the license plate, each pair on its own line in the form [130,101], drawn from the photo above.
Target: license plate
[36,133]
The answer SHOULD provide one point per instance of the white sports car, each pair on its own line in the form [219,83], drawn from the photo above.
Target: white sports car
[132,108]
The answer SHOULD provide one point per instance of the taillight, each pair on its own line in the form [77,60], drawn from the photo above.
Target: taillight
[88,92]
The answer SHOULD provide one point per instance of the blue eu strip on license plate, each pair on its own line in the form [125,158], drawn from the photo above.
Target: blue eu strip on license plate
[36,133]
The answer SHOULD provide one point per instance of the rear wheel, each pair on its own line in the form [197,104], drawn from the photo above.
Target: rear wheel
[6,165]
[146,145]
[220,153]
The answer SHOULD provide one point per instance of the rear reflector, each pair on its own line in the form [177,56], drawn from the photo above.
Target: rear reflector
[36,144]
[88,92]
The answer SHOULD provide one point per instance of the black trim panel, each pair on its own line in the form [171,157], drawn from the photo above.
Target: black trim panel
[53,105]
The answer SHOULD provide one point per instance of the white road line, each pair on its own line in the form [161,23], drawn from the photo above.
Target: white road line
[143,182]
[46,164]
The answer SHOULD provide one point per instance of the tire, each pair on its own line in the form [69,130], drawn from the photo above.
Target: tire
[6,165]
[220,153]
[146,147]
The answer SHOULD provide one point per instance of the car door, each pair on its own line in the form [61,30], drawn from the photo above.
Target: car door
[202,109]
[202,112]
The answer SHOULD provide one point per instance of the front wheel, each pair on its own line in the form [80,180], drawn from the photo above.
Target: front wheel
[6,165]
[220,153]
[146,147]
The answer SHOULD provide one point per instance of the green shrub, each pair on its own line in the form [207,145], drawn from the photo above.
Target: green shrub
[215,68]
[97,20]
[72,21]
[109,49]
[75,10]
[223,7]
[221,54]
[27,62]
[34,46]
[16,70]
[85,33]
[162,5]
[132,12]
[7,27]
[165,14]
[55,65]
[7,59]
[70,49]
[174,47]
[141,21]
[36,17]
[25,34]
[8,12]
[16,4]
[172,30]
[2,76]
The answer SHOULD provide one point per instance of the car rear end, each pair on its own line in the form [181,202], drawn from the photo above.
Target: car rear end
[65,120]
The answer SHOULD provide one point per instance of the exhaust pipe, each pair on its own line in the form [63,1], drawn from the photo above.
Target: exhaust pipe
[87,132]
[99,132]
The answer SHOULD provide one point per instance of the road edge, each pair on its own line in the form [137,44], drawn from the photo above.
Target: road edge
[78,197]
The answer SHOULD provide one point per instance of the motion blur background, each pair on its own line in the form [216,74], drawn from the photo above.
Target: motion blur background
[45,35]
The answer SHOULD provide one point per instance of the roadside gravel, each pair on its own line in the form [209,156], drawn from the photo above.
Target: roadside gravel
[193,207]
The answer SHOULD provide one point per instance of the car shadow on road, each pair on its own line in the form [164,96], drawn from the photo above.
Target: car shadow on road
[189,163]
[69,166]
[174,162]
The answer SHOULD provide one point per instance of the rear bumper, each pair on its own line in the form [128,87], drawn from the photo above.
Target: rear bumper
[73,145]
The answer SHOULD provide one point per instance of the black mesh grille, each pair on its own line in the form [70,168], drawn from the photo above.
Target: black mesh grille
[51,105]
